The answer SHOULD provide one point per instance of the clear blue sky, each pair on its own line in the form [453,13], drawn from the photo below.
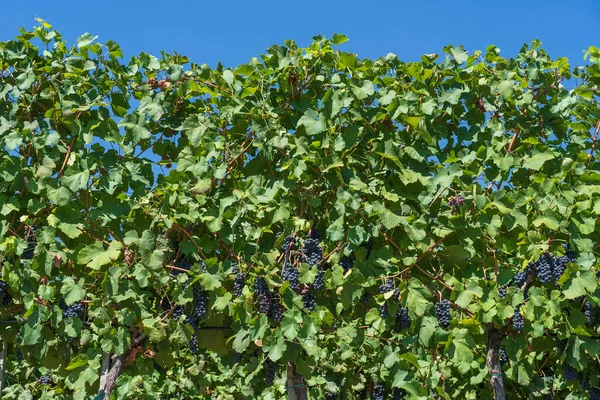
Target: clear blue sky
[234,31]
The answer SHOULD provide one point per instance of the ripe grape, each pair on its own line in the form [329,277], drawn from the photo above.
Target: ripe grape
[286,243]
[74,310]
[45,380]
[270,369]
[260,286]
[570,373]
[276,311]
[545,268]
[235,269]
[30,238]
[193,344]
[331,396]
[238,357]
[346,263]
[200,301]
[292,275]
[238,284]
[264,303]
[560,266]
[182,263]
[561,344]
[595,394]
[388,286]
[177,312]
[319,282]
[403,320]
[313,253]
[455,203]
[310,301]
[191,320]
[399,394]
[383,311]
[518,320]
[591,313]
[442,313]
[378,392]
[502,290]
[502,355]
[5,297]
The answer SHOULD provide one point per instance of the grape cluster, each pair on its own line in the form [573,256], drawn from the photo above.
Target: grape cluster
[590,312]
[310,300]
[502,355]
[30,238]
[276,311]
[442,313]
[74,310]
[200,303]
[502,290]
[191,320]
[378,392]
[403,320]
[260,286]
[331,396]
[455,202]
[399,394]
[193,344]
[383,311]
[522,276]
[595,394]
[570,373]
[235,269]
[292,275]
[560,266]
[177,312]
[5,297]
[45,380]
[311,249]
[518,320]
[286,242]
[238,284]
[182,263]
[346,263]
[388,286]
[270,369]
[319,282]
[545,268]
[238,357]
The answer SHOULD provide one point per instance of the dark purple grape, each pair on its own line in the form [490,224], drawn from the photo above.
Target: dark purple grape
[270,369]
[518,320]
[238,284]
[442,313]
[403,320]
[378,392]
[310,301]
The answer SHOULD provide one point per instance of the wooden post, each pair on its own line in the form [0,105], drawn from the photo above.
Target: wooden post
[493,361]
[296,389]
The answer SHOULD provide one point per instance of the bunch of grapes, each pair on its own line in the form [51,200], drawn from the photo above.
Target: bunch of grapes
[442,313]
[346,263]
[331,396]
[270,369]
[591,313]
[200,303]
[238,357]
[286,242]
[502,290]
[235,269]
[595,394]
[378,392]
[399,394]
[560,266]
[455,204]
[545,268]
[403,320]
[522,276]
[45,380]
[502,355]
[518,320]
[570,373]
[238,284]
[561,345]
[311,249]
[260,285]
[74,310]
[276,311]
[30,238]
[310,300]
[192,321]
[383,311]
[193,344]
[183,264]
[264,303]
[291,274]
[5,297]
[177,312]
[388,286]
[319,282]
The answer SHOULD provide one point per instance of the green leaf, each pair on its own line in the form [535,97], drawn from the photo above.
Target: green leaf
[313,122]
[71,291]
[96,256]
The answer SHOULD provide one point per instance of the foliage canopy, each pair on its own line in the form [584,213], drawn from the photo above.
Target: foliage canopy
[429,180]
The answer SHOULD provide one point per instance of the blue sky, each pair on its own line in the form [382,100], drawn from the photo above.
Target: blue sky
[234,31]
